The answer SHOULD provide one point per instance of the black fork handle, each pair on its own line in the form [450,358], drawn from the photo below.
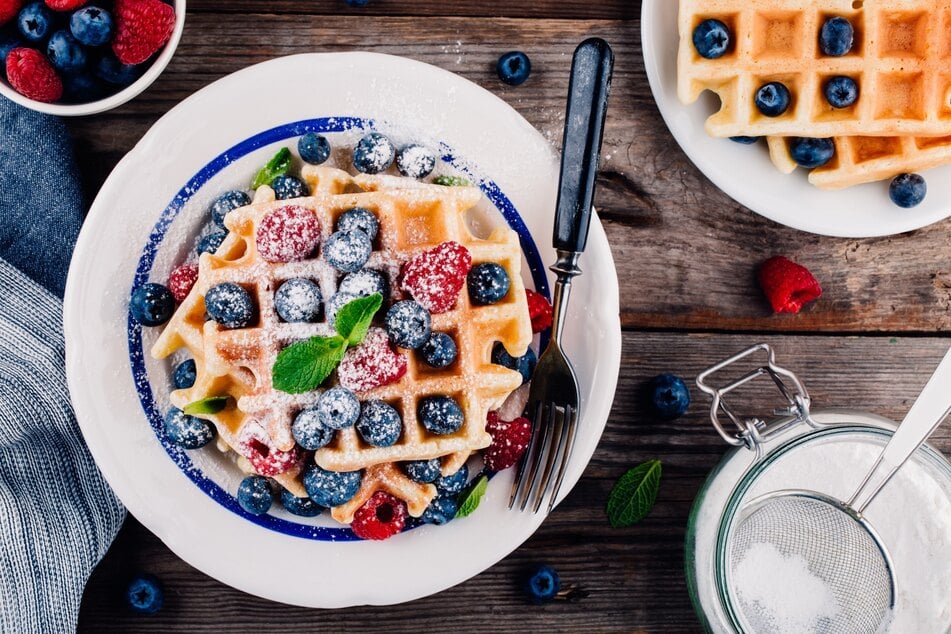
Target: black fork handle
[588,91]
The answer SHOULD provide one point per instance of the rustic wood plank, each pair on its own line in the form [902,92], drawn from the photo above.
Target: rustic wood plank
[634,576]
[686,253]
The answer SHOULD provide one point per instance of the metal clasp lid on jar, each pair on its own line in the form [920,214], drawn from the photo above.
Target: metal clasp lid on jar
[750,431]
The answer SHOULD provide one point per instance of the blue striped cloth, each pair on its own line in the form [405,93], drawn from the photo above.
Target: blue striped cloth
[57,515]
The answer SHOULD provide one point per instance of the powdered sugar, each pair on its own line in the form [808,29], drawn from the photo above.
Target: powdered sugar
[371,364]
[288,233]
[435,277]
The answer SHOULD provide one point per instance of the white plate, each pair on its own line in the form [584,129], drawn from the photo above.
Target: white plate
[746,173]
[144,221]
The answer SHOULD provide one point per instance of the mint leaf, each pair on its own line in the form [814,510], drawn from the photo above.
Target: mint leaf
[277,166]
[303,366]
[353,319]
[451,181]
[470,498]
[209,405]
[634,494]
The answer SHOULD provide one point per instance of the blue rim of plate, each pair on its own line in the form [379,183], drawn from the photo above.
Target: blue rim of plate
[146,261]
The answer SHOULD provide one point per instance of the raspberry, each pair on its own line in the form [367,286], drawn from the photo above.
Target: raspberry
[142,28]
[787,285]
[266,460]
[181,280]
[509,441]
[9,9]
[381,517]
[65,5]
[435,277]
[288,234]
[539,310]
[31,75]
[371,364]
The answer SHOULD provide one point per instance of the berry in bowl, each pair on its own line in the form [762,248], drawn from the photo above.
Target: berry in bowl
[80,57]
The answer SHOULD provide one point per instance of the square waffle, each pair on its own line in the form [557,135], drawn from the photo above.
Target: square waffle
[900,61]
[413,218]
[860,159]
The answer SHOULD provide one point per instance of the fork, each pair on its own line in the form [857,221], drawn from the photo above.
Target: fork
[553,402]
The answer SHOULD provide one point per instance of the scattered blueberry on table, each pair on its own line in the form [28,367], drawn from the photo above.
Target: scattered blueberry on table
[514,68]
[542,584]
[908,190]
[668,396]
[712,39]
[145,594]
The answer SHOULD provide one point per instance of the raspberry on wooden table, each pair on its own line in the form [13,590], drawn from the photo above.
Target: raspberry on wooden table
[788,286]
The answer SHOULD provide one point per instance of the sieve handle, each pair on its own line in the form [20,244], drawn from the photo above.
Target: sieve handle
[928,412]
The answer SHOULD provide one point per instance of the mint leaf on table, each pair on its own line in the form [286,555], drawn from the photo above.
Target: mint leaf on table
[277,166]
[302,367]
[634,494]
[451,181]
[353,319]
[470,498]
[209,405]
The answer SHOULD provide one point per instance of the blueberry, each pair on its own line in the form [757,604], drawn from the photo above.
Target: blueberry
[439,351]
[359,218]
[35,22]
[525,364]
[338,301]
[152,304]
[302,507]
[415,161]
[669,396]
[308,431]
[453,484]
[373,154]
[9,40]
[313,148]
[65,53]
[744,140]
[712,39]
[514,68]
[424,471]
[230,305]
[255,495]
[338,408]
[188,432]
[91,26]
[83,88]
[226,202]
[364,283]
[331,488]
[185,375]
[379,424]
[347,251]
[488,283]
[298,300]
[772,99]
[441,510]
[288,187]
[810,153]
[841,91]
[408,324]
[908,190]
[209,243]
[111,70]
[542,584]
[145,594]
[440,414]
[836,37]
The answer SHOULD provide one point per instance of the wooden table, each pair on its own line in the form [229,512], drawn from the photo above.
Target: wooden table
[686,257]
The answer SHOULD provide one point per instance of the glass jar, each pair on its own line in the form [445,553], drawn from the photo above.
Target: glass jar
[829,451]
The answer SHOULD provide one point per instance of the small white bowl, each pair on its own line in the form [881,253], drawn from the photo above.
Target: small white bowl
[112,101]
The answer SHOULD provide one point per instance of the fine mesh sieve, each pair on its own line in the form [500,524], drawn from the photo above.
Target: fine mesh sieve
[831,538]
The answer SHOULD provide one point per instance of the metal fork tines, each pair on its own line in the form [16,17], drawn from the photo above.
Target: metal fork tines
[553,406]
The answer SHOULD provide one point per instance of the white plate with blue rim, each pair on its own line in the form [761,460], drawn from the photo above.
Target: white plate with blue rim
[747,175]
[148,216]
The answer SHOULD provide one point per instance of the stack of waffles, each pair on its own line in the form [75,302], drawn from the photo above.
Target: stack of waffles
[901,121]
[256,423]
